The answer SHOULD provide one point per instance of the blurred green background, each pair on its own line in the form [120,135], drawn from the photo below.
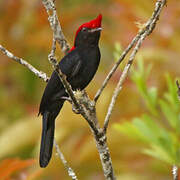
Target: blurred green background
[25,31]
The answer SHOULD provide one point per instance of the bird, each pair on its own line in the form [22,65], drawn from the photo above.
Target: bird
[79,65]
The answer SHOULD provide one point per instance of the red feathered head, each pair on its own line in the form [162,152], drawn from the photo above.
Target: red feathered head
[93,24]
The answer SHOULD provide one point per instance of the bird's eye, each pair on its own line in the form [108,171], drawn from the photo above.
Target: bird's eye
[84,29]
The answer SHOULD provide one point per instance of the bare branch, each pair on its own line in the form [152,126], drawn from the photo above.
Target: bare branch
[55,25]
[178,86]
[68,88]
[40,74]
[150,22]
[70,171]
[67,99]
[150,25]
[105,157]
[175,172]
[120,83]
[112,71]
[175,169]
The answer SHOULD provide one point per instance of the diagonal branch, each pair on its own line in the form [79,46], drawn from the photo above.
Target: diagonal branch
[147,30]
[120,83]
[71,173]
[159,5]
[112,71]
[178,91]
[175,169]
[55,25]
[38,73]
[175,172]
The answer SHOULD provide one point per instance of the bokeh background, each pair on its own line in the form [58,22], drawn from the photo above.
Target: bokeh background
[25,31]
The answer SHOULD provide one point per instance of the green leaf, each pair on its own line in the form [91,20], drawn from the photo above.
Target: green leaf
[131,131]
[146,132]
[118,50]
[153,95]
[163,142]
[128,129]
[170,115]
[159,153]
[155,135]
[171,96]
[140,77]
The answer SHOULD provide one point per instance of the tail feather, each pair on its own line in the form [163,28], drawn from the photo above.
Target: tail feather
[47,139]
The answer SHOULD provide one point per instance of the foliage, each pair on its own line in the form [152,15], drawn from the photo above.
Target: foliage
[117,51]
[159,128]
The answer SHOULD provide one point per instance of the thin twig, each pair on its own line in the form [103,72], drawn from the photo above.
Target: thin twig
[68,88]
[67,99]
[119,85]
[112,71]
[148,30]
[38,73]
[175,172]
[159,5]
[71,173]
[55,25]
[178,91]
[175,168]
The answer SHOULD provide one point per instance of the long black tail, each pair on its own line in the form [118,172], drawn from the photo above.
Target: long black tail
[47,138]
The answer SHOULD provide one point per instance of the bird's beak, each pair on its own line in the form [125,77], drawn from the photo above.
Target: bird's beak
[95,29]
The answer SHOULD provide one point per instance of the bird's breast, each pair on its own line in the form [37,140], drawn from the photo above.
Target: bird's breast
[90,62]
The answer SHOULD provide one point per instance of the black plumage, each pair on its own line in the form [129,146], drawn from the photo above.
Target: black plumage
[79,66]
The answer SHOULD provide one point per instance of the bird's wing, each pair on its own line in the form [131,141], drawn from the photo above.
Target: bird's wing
[71,64]
[53,90]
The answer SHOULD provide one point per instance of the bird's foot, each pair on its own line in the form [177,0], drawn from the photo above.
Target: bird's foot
[75,110]
[67,99]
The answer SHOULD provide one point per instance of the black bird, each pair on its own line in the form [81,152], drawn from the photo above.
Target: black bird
[79,66]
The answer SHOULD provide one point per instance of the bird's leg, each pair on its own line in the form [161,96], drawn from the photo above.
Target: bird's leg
[74,109]
[67,99]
